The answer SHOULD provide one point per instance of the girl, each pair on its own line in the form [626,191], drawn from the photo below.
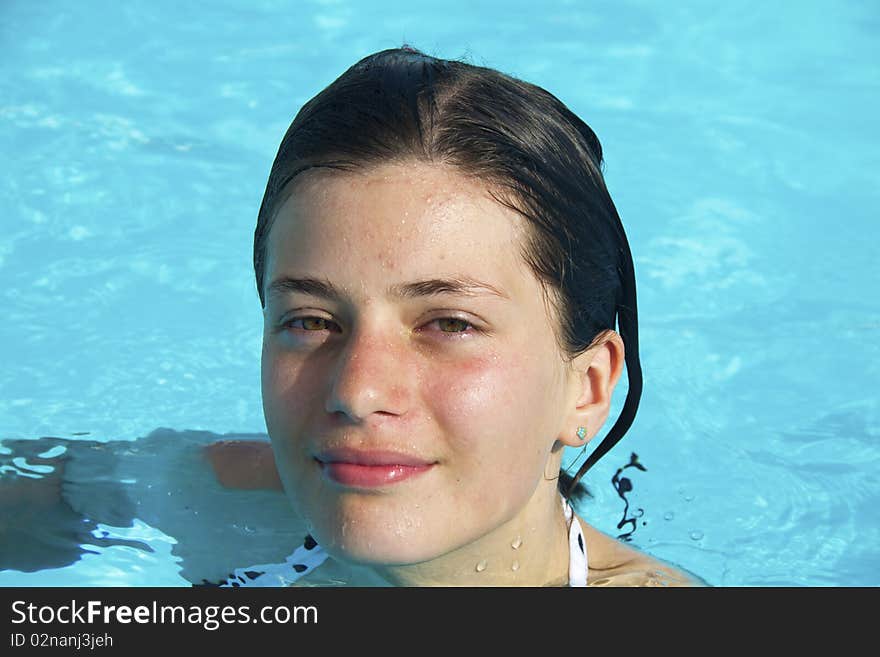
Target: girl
[442,271]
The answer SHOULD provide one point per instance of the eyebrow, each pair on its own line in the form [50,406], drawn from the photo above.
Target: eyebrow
[457,285]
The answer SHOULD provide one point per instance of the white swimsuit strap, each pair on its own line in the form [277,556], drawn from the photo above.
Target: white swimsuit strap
[578,565]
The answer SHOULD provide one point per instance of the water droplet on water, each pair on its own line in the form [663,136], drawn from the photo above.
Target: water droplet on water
[669,515]
[514,566]
[482,566]
[696,535]
[516,543]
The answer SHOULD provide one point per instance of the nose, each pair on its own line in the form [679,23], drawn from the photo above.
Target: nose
[370,377]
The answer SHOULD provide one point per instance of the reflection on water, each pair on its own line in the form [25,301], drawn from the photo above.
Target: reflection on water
[624,485]
[63,499]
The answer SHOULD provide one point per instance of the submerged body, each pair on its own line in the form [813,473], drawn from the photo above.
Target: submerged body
[205,490]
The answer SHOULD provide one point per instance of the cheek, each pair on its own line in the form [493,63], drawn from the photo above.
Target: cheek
[486,400]
[287,395]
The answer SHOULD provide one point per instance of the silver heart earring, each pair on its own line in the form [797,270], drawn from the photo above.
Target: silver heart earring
[582,433]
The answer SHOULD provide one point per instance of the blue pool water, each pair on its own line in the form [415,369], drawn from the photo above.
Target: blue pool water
[740,143]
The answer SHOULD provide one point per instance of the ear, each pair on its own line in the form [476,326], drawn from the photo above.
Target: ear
[594,375]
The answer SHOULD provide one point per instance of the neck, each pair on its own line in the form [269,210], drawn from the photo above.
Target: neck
[530,549]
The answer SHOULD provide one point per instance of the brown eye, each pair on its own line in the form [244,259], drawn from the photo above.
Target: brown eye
[314,323]
[452,325]
[310,324]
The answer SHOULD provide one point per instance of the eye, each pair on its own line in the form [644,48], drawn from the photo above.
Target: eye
[452,328]
[453,325]
[310,324]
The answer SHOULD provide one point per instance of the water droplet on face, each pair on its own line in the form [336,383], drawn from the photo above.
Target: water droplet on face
[482,566]
[669,515]
[696,535]
[516,543]
[514,566]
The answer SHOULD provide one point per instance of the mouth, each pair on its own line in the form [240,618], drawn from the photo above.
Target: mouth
[370,468]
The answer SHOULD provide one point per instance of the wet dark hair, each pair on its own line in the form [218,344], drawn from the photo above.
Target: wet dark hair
[535,156]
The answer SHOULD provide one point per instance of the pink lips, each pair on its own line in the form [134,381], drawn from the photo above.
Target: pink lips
[370,468]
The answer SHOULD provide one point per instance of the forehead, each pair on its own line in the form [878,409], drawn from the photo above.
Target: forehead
[410,220]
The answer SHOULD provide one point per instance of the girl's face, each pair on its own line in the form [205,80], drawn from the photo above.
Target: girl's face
[412,385]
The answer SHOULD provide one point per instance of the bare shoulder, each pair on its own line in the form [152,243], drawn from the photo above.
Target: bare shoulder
[613,563]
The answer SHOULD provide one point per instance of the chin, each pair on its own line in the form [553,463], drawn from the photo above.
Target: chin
[373,537]
[369,555]
[377,549]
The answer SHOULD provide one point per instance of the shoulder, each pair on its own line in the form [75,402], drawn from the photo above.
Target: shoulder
[613,563]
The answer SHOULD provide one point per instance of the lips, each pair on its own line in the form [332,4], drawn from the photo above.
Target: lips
[370,468]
